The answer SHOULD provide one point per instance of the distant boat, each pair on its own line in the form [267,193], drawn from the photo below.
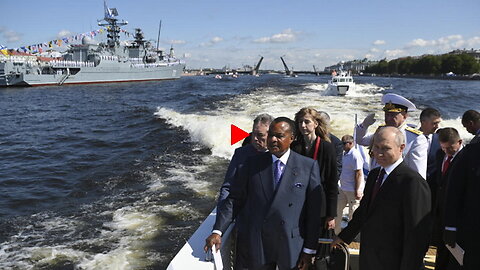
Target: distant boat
[341,82]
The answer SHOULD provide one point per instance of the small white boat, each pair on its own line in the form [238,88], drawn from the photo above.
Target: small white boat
[341,82]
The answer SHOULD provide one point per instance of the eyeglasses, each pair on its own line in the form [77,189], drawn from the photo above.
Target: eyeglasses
[345,143]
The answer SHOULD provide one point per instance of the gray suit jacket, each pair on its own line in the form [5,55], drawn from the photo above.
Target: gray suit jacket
[280,221]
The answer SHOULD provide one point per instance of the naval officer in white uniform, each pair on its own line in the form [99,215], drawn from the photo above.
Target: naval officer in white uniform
[396,111]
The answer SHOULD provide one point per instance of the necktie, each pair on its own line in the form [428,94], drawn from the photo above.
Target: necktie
[277,173]
[446,164]
[378,184]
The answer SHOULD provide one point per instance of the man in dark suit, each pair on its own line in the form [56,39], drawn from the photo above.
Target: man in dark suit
[256,146]
[471,122]
[462,221]
[451,145]
[282,194]
[429,120]
[394,214]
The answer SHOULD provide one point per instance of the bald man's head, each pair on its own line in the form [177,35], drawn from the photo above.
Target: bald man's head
[388,145]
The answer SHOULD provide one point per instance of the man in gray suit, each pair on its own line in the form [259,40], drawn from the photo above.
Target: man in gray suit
[471,122]
[282,194]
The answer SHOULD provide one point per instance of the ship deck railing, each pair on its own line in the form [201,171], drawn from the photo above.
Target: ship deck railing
[68,64]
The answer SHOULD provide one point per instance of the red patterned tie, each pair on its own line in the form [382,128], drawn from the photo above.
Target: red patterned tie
[378,184]
[446,164]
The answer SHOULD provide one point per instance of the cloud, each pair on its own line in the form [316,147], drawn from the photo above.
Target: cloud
[374,50]
[216,39]
[177,42]
[379,42]
[390,54]
[211,42]
[10,36]
[444,43]
[419,43]
[64,33]
[287,35]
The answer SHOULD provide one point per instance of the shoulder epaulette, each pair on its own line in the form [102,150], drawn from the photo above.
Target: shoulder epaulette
[413,130]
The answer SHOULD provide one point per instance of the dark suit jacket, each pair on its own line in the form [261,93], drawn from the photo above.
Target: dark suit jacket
[439,188]
[327,161]
[339,150]
[238,160]
[280,222]
[395,227]
[461,208]
[431,161]
[475,139]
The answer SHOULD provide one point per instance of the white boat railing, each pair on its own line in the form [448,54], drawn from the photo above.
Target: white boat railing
[192,255]
[64,63]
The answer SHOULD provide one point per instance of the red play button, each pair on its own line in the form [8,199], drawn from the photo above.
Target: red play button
[237,134]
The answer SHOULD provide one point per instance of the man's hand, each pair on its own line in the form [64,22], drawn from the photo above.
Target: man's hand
[369,120]
[305,261]
[330,223]
[450,237]
[336,242]
[213,239]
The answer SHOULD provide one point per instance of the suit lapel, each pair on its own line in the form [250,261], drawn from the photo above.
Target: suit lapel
[266,178]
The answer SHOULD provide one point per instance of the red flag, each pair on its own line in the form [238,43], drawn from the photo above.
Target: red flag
[237,134]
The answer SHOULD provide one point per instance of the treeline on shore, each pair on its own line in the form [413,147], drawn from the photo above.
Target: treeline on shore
[461,64]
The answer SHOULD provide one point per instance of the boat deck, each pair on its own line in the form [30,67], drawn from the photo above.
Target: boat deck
[354,248]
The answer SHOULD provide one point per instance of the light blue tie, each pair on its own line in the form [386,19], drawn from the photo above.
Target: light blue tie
[277,173]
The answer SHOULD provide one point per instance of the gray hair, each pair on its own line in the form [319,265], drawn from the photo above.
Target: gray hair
[263,118]
[399,137]
[325,115]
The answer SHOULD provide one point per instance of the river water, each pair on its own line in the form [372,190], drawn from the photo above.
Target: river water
[118,176]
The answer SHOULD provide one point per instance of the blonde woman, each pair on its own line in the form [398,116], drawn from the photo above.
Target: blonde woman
[313,140]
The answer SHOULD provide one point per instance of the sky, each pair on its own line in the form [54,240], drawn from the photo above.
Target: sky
[207,33]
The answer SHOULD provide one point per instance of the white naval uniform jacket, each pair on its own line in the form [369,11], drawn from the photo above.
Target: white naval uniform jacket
[415,153]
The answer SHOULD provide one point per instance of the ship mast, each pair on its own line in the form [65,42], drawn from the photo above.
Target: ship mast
[113,25]
[158,39]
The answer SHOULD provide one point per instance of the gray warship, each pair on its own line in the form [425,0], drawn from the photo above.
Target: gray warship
[89,62]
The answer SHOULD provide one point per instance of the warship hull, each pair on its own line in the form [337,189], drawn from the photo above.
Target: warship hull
[108,73]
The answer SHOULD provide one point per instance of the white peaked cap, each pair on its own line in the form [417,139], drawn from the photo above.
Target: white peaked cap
[394,103]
